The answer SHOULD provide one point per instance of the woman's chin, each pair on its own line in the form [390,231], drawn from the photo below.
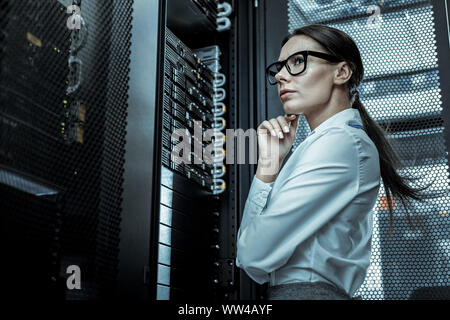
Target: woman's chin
[291,108]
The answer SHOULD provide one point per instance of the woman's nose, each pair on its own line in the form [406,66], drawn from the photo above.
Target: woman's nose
[282,75]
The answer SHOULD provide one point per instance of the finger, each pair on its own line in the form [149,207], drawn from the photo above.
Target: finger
[266,125]
[263,132]
[277,128]
[290,117]
[294,125]
[283,124]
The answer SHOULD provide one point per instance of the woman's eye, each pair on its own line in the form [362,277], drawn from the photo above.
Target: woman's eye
[298,60]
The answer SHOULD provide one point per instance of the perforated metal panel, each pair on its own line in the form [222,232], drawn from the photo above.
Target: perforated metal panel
[63,103]
[401,91]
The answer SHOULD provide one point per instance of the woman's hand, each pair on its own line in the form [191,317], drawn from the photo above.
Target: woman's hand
[275,139]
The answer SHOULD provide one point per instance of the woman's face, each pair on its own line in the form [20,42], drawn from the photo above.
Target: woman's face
[312,88]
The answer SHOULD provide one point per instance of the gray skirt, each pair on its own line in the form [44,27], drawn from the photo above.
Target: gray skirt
[306,291]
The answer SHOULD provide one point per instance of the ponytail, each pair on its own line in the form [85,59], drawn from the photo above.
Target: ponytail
[393,183]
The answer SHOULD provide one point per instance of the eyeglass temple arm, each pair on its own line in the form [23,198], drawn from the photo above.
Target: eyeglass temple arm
[324,56]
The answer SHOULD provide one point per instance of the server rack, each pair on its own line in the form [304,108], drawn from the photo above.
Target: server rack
[183,237]
[65,168]
[63,102]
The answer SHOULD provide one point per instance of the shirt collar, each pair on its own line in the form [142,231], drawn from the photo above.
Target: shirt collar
[343,117]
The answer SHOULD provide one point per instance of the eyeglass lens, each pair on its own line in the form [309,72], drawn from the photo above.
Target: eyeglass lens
[295,64]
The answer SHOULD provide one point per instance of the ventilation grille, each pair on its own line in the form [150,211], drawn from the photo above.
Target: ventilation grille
[63,128]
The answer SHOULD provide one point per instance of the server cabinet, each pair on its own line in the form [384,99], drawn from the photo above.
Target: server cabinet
[90,201]
[189,73]
[63,101]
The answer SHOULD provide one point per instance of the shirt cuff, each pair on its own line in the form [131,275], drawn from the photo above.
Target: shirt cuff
[259,191]
[256,201]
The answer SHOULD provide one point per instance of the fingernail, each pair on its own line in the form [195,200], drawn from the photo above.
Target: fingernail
[286,129]
[272,132]
[280,134]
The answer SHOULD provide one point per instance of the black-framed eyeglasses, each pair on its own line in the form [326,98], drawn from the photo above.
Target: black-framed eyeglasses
[296,64]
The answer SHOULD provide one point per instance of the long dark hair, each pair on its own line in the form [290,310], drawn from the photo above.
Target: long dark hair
[341,45]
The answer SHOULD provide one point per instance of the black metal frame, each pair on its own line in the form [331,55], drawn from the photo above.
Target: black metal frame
[256,47]
[142,165]
[441,10]
[245,114]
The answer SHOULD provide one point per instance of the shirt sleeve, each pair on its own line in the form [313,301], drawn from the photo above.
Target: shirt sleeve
[256,202]
[323,183]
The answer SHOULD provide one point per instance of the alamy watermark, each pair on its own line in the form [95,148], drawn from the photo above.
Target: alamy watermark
[74,21]
[374,21]
[214,153]
[74,280]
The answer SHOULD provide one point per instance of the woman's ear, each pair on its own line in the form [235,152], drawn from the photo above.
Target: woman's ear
[343,73]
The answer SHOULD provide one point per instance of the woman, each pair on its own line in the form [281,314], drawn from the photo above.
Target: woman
[307,229]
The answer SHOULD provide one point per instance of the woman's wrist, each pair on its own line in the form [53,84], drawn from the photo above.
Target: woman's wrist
[267,170]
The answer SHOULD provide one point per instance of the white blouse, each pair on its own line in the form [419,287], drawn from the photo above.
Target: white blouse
[314,222]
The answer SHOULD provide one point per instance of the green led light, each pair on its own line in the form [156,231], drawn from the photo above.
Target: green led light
[63,124]
[65,101]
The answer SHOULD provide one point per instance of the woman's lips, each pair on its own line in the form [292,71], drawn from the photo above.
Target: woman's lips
[286,94]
